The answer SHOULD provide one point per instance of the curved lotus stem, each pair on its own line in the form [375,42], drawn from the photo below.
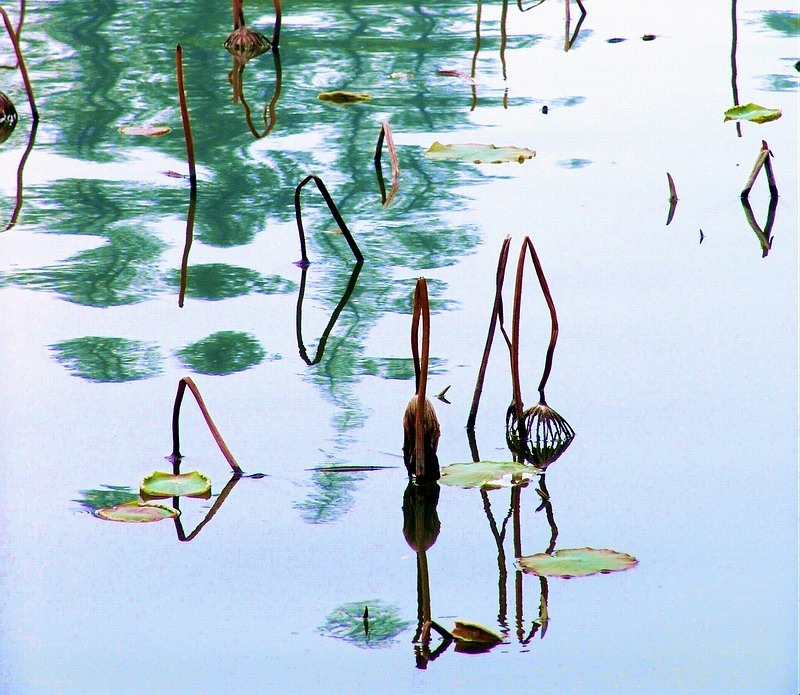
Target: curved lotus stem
[187,126]
[21,62]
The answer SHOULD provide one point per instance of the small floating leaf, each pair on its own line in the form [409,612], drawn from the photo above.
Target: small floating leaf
[137,512]
[487,475]
[577,562]
[150,131]
[478,153]
[752,112]
[160,484]
[342,97]
[467,631]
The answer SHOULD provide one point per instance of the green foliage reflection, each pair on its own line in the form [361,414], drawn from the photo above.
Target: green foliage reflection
[224,352]
[108,360]
[216,281]
[377,627]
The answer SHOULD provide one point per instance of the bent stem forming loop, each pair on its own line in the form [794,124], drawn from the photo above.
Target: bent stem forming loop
[421,309]
[763,160]
[497,313]
[334,212]
[386,134]
[176,411]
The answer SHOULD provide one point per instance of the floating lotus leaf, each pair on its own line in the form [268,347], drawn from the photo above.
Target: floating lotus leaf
[150,131]
[487,475]
[341,97]
[577,562]
[467,631]
[137,512]
[474,152]
[752,112]
[160,484]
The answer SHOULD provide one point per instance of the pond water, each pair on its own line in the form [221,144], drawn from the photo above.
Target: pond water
[676,362]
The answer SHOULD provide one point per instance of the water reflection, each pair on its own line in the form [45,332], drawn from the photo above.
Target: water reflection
[224,352]
[108,360]
[764,234]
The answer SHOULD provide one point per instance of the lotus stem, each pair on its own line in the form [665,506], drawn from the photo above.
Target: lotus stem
[176,411]
[497,312]
[21,62]
[763,160]
[187,245]
[334,212]
[20,169]
[386,132]
[421,306]
[673,195]
[276,30]
[187,126]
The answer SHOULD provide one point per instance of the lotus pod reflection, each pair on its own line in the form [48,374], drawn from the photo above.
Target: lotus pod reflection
[8,118]
[546,434]
[421,523]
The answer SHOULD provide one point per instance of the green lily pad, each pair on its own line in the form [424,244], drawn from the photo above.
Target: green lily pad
[478,154]
[159,484]
[487,475]
[752,112]
[342,97]
[577,562]
[137,512]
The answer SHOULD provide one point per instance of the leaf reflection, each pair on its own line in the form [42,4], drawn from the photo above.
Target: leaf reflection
[108,360]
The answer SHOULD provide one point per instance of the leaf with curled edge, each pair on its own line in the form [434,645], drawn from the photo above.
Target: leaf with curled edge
[478,153]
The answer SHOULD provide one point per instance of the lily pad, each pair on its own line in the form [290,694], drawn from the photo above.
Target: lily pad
[752,112]
[487,475]
[137,512]
[577,562]
[342,97]
[478,153]
[160,484]
[150,131]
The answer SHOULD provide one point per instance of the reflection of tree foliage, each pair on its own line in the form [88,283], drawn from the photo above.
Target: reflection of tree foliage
[108,360]
[365,624]
[396,367]
[224,352]
[331,499]
[785,22]
[216,281]
[108,496]
[122,271]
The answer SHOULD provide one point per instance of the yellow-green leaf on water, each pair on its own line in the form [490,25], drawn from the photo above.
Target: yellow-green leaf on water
[478,154]
[487,475]
[160,484]
[467,631]
[342,97]
[752,112]
[137,512]
[577,562]
[151,131]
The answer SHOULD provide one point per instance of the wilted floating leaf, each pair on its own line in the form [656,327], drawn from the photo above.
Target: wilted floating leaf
[467,631]
[487,475]
[137,512]
[752,112]
[151,131]
[478,153]
[160,484]
[342,97]
[577,562]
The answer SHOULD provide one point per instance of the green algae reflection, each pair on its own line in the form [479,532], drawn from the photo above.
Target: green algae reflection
[108,360]
[216,281]
[366,624]
[224,352]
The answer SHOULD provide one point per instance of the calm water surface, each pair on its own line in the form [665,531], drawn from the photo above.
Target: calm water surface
[676,363]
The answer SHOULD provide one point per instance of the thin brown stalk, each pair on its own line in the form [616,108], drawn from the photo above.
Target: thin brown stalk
[386,134]
[276,30]
[497,312]
[187,245]
[176,411]
[20,170]
[21,62]
[187,126]
[334,212]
